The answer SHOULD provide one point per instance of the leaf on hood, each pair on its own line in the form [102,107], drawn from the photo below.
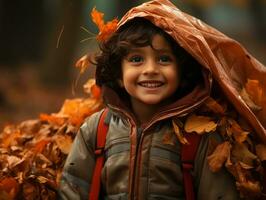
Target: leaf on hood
[261,151]
[214,106]
[238,133]
[64,142]
[241,153]
[199,124]
[179,133]
[219,156]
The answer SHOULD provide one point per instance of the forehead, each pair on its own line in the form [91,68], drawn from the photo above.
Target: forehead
[160,43]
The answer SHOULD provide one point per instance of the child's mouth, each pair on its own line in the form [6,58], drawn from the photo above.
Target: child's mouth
[151,84]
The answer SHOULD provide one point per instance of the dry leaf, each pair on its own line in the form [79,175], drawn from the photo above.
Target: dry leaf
[238,133]
[179,133]
[199,124]
[219,156]
[105,29]
[241,153]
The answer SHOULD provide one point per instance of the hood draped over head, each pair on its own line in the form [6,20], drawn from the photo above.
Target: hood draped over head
[227,62]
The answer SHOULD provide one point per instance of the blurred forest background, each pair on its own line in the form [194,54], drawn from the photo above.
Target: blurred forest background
[40,41]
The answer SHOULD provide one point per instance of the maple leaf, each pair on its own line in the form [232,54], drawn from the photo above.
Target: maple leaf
[219,156]
[199,124]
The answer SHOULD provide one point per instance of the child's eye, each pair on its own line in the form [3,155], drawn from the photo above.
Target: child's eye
[165,58]
[135,59]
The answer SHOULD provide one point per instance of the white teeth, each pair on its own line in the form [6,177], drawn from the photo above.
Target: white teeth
[151,84]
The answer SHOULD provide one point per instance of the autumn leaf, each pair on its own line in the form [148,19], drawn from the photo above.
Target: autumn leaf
[238,133]
[97,18]
[105,30]
[240,152]
[179,133]
[199,124]
[219,156]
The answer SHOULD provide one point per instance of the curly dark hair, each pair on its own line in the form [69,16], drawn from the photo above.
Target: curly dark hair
[139,32]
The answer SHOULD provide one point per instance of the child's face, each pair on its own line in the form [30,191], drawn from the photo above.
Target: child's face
[150,75]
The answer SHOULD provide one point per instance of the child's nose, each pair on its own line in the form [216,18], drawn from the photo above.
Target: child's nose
[151,67]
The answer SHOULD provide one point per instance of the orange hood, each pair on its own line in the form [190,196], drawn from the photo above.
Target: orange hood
[230,65]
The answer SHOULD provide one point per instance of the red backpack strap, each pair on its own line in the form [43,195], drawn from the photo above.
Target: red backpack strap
[188,154]
[99,153]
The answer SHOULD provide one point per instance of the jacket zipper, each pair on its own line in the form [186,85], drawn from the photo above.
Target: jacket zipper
[135,171]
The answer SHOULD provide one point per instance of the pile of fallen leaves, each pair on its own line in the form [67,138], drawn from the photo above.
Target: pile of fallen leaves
[241,153]
[33,152]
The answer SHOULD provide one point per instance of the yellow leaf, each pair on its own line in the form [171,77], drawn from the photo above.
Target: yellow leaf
[199,124]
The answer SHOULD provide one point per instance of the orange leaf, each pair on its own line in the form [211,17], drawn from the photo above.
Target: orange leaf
[97,18]
[107,30]
[39,146]
[199,124]
[219,156]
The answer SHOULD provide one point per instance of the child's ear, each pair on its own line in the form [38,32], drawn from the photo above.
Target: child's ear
[120,83]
